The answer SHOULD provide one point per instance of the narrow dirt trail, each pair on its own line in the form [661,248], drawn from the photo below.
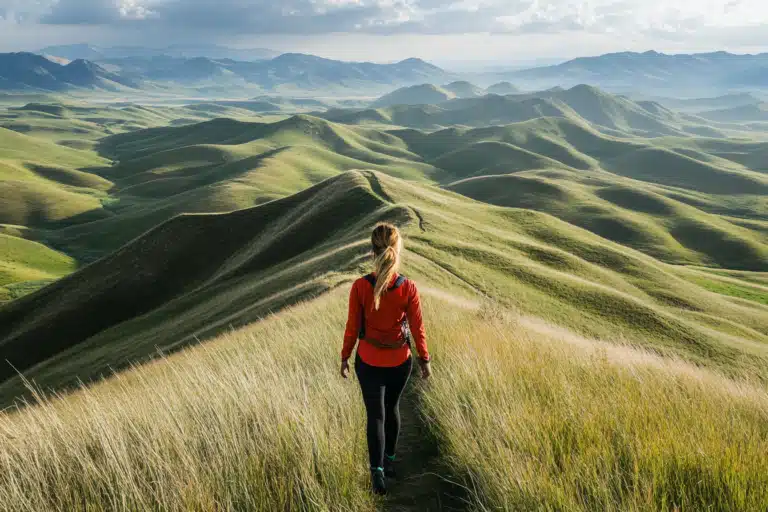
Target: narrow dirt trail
[421,484]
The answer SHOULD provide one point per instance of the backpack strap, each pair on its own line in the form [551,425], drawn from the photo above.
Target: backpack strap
[397,284]
[400,282]
[404,326]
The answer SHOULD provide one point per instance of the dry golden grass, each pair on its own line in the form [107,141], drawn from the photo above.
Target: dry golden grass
[529,416]
[535,418]
[257,420]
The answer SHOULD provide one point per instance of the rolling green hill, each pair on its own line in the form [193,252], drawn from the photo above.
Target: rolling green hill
[464,89]
[503,88]
[88,202]
[606,112]
[78,124]
[597,271]
[415,95]
[199,274]
[27,265]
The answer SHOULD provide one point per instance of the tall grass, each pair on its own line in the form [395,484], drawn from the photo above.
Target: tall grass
[529,416]
[534,418]
[257,420]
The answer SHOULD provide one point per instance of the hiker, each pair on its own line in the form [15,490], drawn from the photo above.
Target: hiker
[384,310]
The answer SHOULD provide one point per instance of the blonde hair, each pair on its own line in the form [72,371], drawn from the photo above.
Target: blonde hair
[386,242]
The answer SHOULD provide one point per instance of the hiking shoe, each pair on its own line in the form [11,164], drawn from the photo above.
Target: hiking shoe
[378,482]
[389,467]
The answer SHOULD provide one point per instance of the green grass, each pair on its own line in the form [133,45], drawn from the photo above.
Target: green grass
[26,266]
[734,289]
[258,260]
[595,300]
[558,167]
[524,415]
[91,208]
[638,215]
[208,431]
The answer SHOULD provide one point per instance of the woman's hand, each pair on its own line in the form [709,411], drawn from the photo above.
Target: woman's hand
[345,369]
[426,369]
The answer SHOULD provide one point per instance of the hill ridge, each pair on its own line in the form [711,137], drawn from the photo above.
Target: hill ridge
[256,259]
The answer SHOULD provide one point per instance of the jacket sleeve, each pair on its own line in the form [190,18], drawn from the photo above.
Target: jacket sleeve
[353,324]
[416,323]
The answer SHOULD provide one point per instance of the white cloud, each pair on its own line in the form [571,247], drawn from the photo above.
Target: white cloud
[626,19]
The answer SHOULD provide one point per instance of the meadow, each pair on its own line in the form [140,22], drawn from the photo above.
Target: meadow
[523,416]
[595,272]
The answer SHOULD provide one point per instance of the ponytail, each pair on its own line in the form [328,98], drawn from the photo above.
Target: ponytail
[386,249]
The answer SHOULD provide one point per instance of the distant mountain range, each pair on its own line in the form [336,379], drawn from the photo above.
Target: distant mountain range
[213,69]
[291,69]
[27,71]
[652,70]
[31,72]
[96,53]
[613,114]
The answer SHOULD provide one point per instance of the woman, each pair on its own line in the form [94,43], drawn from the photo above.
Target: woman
[383,308]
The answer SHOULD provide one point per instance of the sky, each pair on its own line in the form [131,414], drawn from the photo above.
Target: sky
[485,31]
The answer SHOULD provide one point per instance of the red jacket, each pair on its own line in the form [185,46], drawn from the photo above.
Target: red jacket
[384,324]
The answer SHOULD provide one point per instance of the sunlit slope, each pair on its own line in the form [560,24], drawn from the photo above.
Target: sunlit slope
[696,164]
[225,165]
[79,125]
[90,205]
[42,182]
[679,199]
[43,186]
[635,214]
[561,422]
[199,274]
[25,261]
[258,419]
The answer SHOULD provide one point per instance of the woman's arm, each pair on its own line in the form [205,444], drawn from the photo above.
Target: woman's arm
[353,324]
[416,323]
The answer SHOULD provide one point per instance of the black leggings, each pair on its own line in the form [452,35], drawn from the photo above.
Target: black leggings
[382,388]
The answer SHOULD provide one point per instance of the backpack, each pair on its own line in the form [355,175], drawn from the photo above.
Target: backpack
[403,326]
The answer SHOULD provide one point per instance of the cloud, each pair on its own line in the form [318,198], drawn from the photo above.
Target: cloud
[95,12]
[239,17]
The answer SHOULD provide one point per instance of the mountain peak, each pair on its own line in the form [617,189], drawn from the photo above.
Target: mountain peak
[586,89]
[422,94]
[83,64]
[298,58]
[415,62]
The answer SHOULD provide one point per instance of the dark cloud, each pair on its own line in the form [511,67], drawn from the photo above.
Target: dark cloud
[233,18]
[266,16]
[82,12]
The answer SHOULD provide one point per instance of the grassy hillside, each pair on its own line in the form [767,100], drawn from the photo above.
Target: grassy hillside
[560,422]
[77,124]
[596,290]
[276,428]
[23,261]
[88,205]
[257,260]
